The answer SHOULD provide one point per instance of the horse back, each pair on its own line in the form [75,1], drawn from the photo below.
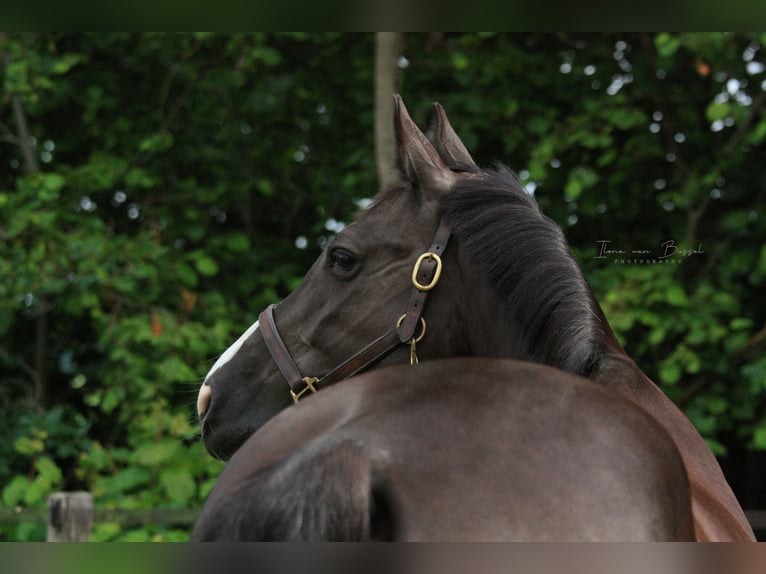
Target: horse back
[459,449]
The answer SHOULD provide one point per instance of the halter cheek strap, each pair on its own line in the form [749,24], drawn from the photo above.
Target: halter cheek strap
[425,276]
[279,352]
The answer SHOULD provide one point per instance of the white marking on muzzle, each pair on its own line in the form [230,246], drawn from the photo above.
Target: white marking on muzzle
[205,392]
[229,353]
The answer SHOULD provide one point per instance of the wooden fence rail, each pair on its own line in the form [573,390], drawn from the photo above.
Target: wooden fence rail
[70,516]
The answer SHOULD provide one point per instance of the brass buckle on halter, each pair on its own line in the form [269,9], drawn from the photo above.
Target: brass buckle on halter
[434,257]
[414,340]
[309,387]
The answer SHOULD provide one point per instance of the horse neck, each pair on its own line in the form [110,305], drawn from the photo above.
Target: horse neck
[616,370]
[486,332]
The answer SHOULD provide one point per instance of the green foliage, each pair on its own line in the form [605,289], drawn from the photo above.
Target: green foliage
[177,171]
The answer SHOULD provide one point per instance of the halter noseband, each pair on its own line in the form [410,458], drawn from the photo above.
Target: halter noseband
[425,276]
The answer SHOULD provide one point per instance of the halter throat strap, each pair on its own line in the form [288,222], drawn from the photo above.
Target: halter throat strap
[425,276]
[299,384]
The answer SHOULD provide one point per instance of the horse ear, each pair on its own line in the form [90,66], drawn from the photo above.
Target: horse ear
[448,144]
[418,159]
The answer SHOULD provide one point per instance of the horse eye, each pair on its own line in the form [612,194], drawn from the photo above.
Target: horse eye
[342,262]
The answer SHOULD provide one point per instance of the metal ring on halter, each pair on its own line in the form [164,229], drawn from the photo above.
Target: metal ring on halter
[422,333]
[415,270]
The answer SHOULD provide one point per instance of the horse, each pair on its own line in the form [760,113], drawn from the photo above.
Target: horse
[452,261]
[468,449]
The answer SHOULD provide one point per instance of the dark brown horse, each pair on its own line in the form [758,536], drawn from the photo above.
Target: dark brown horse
[506,286]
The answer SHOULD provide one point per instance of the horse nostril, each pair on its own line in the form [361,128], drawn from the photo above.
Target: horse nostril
[203,399]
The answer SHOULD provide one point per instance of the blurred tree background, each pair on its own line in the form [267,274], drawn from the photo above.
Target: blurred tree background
[159,190]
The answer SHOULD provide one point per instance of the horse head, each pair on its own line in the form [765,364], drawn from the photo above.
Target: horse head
[356,293]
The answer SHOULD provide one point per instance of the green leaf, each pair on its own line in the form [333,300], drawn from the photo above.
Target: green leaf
[238,243]
[627,118]
[48,470]
[174,370]
[740,323]
[762,261]
[136,536]
[156,143]
[759,438]
[112,399]
[670,372]
[153,454]
[607,157]
[573,189]
[28,446]
[187,275]
[53,183]
[755,373]
[735,221]
[460,60]
[657,335]
[580,179]
[206,265]
[666,44]
[126,480]
[758,134]
[93,399]
[718,111]
[140,178]
[717,405]
[78,381]
[178,485]
[65,63]
[14,490]
[124,284]
[105,531]
[266,187]
[676,296]
[96,457]
[36,492]
[268,56]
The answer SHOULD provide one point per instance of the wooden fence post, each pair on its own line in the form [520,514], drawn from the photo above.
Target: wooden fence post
[70,517]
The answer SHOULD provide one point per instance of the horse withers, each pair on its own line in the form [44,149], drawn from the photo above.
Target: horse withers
[455,450]
[452,261]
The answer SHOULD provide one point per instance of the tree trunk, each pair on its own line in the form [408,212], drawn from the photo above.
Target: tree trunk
[31,164]
[388,47]
[23,138]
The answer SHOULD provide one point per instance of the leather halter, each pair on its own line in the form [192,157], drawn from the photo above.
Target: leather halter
[425,276]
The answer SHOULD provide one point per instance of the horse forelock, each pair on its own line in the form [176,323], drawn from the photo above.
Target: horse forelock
[526,259]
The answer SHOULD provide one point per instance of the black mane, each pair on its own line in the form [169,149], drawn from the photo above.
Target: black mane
[527,261]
